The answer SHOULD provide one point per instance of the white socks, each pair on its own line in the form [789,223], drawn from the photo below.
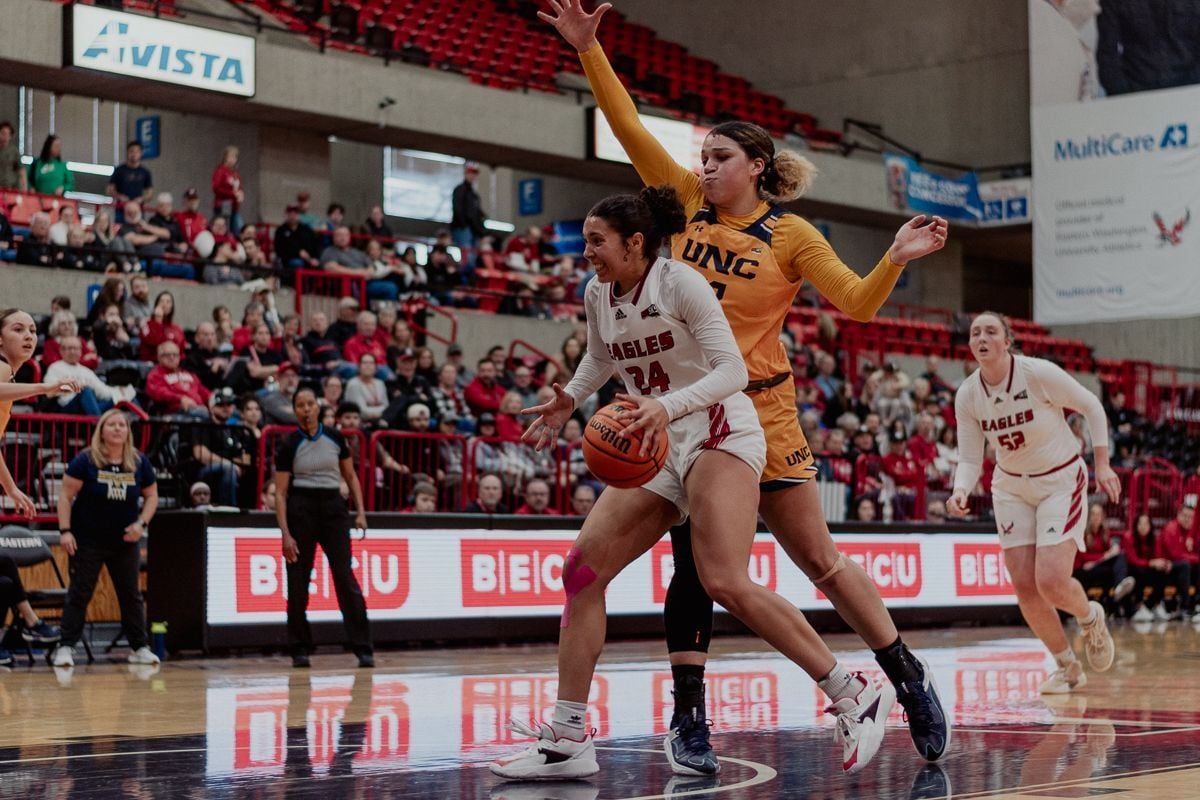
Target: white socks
[1065,658]
[569,718]
[839,684]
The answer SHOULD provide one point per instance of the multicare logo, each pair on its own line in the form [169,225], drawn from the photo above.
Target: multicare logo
[159,50]
[1118,144]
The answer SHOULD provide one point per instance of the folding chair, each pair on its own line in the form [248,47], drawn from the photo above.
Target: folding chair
[28,549]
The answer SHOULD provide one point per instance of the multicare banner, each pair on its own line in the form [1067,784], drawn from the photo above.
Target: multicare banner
[463,574]
[1115,91]
[911,187]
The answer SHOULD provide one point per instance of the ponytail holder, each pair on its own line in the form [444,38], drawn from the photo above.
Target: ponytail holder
[770,174]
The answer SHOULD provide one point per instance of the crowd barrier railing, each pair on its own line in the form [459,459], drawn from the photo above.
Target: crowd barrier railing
[394,459]
[268,446]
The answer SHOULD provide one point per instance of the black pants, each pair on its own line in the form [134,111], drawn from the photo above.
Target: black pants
[1105,575]
[124,561]
[320,517]
[11,589]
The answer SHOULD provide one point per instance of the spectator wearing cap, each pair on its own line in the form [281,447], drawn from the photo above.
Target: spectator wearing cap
[131,181]
[191,222]
[364,342]
[95,397]
[220,448]
[583,497]
[537,499]
[466,223]
[296,244]
[406,387]
[863,443]
[366,390]
[228,194]
[488,456]
[200,496]
[452,451]
[346,324]
[175,389]
[489,497]
[900,465]
[484,393]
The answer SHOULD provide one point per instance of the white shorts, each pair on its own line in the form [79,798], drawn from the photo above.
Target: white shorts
[730,426]
[1041,510]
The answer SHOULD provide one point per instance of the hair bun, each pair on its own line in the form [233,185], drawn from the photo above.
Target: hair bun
[665,208]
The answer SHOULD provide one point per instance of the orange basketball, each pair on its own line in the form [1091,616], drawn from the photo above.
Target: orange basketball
[616,460]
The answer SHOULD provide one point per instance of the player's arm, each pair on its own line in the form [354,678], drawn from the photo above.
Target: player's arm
[691,298]
[1065,392]
[810,256]
[970,451]
[20,391]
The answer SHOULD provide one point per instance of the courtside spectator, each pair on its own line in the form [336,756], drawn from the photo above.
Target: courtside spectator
[205,359]
[484,393]
[537,499]
[227,189]
[12,174]
[375,227]
[36,248]
[191,221]
[131,181]
[160,327]
[466,223]
[200,496]
[1101,564]
[424,499]
[489,498]
[864,510]
[220,448]
[173,389]
[111,339]
[1179,547]
[48,174]
[583,497]
[1151,568]
[366,390]
[164,218]
[296,244]
[95,396]
[340,258]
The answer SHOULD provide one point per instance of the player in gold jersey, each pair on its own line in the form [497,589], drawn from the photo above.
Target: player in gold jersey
[756,255]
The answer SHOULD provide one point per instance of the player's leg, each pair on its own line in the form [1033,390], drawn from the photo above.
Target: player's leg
[1042,618]
[723,524]
[623,525]
[687,617]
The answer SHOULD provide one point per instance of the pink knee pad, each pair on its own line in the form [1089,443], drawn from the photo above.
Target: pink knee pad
[576,577]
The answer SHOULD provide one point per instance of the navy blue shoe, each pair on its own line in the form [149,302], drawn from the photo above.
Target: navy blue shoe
[687,747]
[6,658]
[40,633]
[931,783]
[927,721]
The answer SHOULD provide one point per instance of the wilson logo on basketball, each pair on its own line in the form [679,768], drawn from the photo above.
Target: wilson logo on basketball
[737,701]
[895,567]
[610,436]
[662,567]
[513,572]
[489,703]
[979,571]
[380,563]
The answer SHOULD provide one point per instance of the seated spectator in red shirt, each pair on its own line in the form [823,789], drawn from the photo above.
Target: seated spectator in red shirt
[160,327]
[1178,541]
[424,499]
[175,389]
[191,221]
[531,252]
[923,443]
[900,464]
[484,393]
[490,496]
[364,341]
[537,499]
[252,316]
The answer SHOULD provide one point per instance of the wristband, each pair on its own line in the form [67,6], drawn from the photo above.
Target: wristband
[65,530]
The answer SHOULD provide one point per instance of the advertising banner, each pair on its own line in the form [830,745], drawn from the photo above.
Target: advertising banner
[1115,125]
[913,188]
[158,50]
[464,574]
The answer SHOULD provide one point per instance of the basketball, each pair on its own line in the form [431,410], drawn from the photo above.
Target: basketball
[615,460]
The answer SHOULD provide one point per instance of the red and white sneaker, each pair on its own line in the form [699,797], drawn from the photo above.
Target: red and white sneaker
[551,757]
[860,722]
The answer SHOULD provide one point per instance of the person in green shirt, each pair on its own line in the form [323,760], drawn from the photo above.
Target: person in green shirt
[48,174]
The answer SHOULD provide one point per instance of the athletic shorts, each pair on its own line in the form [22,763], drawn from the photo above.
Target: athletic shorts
[730,426]
[1042,510]
[789,458]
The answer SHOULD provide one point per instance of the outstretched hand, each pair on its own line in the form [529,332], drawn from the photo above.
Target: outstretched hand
[574,24]
[915,239]
[551,418]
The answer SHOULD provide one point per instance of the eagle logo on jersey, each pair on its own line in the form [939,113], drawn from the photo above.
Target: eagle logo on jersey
[650,311]
[1171,235]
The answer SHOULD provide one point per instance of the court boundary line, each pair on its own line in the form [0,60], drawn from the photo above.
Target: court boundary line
[1159,732]
[762,774]
[1080,781]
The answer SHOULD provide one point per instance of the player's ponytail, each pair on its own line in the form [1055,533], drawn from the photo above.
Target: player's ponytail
[655,212]
[786,175]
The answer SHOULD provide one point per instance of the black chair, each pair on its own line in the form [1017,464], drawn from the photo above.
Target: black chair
[28,549]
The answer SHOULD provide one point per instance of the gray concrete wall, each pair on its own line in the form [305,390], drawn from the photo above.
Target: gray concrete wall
[1173,342]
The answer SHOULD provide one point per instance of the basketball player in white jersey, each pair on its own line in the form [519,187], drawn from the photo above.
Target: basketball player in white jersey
[657,324]
[1039,492]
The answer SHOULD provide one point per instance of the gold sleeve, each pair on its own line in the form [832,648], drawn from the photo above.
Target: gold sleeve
[807,255]
[651,160]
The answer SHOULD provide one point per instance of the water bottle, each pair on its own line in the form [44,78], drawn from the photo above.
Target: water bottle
[158,639]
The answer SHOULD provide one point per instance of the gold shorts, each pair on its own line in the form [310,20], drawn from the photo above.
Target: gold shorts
[789,458]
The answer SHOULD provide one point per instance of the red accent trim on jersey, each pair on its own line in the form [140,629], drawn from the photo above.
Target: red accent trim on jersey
[637,292]
[1051,471]
[718,427]
[1012,369]
[1076,512]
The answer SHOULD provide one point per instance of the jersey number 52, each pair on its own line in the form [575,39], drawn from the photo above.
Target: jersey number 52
[1011,441]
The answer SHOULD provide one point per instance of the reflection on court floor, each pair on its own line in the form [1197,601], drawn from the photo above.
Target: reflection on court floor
[425,723]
